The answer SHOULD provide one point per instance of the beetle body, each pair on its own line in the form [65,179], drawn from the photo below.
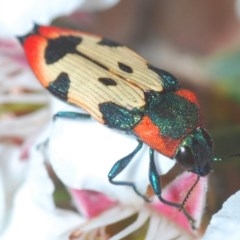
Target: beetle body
[120,89]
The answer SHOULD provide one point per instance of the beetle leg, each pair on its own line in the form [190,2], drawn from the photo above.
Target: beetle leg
[156,185]
[120,165]
[71,115]
[61,114]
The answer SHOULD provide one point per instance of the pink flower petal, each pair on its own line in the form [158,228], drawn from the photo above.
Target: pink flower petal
[10,48]
[176,192]
[91,203]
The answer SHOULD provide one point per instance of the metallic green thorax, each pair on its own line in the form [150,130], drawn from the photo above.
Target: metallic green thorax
[174,115]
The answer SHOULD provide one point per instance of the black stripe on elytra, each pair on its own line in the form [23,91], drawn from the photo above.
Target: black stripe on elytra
[170,83]
[60,86]
[92,60]
[125,67]
[107,81]
[119,117]
[109,43]
[57,48]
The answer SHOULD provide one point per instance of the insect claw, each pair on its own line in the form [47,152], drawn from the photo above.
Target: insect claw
[146,199]
[192,222]
[180,207]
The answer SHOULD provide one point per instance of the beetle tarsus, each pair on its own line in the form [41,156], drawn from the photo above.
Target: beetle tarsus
[189,193]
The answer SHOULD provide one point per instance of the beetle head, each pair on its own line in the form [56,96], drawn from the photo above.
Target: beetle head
[195,152]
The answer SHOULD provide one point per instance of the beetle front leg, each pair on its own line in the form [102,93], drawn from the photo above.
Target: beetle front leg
[156,185]
[120,165]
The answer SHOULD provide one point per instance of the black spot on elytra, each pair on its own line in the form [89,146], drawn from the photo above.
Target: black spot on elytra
[107,81]
[119,117]
[170,83]
[60,86]
[109,43]
[125,67]
[57,48]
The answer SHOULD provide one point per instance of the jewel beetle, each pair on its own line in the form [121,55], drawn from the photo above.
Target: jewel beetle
[120,89]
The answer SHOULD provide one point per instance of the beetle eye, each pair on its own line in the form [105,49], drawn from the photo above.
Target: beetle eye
[185,157]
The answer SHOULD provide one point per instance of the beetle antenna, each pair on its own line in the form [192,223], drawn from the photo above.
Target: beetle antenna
[189,193]
[216,159]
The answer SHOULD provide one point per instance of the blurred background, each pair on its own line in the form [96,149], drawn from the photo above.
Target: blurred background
[199,43]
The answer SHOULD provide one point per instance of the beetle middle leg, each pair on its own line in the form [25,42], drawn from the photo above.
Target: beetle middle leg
[71,115]
[66,115]
[120,165]
[61,114]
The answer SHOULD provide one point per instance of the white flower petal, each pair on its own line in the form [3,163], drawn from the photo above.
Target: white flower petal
[139,222]
[111,216]
[17,18]
[82,152]
[163,164]
[226,222]
[153,225]
[96,5]
[24,126]
[15,72]
[14,75]
[3,208]
[34,215]
[168,230]
[12,173]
